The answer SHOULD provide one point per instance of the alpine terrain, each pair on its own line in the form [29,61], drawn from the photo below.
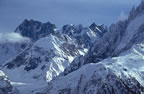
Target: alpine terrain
[48,53]
[113,65]
[75,59]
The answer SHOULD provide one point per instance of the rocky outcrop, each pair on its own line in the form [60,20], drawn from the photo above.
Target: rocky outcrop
[5,86]
[35,29]
[85,36]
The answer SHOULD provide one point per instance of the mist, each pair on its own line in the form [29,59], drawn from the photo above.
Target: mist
[11,37]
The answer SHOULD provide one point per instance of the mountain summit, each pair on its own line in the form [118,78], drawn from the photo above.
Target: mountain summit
[35,29]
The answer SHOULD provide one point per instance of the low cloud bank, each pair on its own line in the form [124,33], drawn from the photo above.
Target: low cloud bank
[11,37]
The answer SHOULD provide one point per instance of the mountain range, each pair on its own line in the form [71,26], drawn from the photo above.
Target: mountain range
[76,59]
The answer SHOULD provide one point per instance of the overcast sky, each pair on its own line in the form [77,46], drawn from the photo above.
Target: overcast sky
[60,12]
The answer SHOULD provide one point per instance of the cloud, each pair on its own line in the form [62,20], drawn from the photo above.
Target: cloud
[11,37]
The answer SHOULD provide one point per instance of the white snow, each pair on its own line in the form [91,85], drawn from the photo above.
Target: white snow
[7,51]
[131,64]
[27,81]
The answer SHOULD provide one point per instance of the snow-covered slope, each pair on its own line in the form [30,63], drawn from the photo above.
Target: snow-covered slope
[10,50]
[30,29]
[50,52]
[42,61]
[117,75]
[5,86]
[120,38]
[113,65]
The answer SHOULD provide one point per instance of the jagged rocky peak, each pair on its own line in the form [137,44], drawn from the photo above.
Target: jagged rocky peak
[77,29]
[5,86]
[46,57]
[136,11]
[120,38]
[100,29]
[123,74]
[71,29]
[93,25]
[84,36]
[35,29]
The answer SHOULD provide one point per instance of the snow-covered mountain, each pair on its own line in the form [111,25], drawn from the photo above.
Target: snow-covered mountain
[5,86]
[120,38]
[58,47]
[10,50]
[78,59]
[117,75]
[49,53]
[45,59]
[31,29]
[113,65]
[42,61]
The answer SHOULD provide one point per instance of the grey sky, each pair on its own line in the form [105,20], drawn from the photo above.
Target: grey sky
[60,12]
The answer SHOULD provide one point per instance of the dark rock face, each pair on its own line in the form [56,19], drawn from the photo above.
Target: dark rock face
[113,85]
[31,29]
[70,49]
[71,29]
[18,60]
[113,43]
[136,11]
[35,29]
[103,48]
[34,64]
[10,50]
[100,29]
[84,36]
[5,86]
[107,45]
[30,63]
[76,64]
